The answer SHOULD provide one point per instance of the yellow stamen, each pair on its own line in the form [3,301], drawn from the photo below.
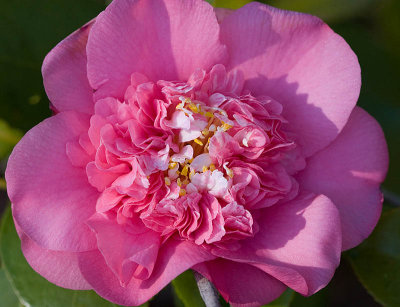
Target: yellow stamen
[191,174]
[212,167]
[197,141]
[226,127]
[180,106]
[172,165]
[185,182]
[209,114]
[205,169]
[205,132]
[167,181]
[182,192]
[184,171]
[178,182]
[194,108]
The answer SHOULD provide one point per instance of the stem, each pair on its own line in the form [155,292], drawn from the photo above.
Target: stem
[207,290]
[391,197]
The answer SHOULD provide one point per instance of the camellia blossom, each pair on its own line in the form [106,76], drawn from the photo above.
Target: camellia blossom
[227,142]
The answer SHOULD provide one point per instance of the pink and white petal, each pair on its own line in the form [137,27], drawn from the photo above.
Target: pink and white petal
[349,171]
[162,39]
[65,76]
[299,61]
[299,243]
[60,268]
[175,257]
[241,284]
[51,198]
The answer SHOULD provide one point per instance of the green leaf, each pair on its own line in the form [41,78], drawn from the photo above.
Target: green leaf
[284,300]
[229,4]
[377,260]
[29,30]
[7,295]
[328,10]
[30,287]
[9,137]
[186,289]
[316,300]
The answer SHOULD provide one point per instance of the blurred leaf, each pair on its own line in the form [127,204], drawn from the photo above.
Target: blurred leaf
[316,300]
[388,18]
[30,286]
[377,260]
[7,295]
[9,137]
[284,300]
[229,4]
[29,30]
[186,289]
[328,10]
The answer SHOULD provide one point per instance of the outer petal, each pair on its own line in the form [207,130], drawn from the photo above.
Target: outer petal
[127,254]
[60,268]
[163,39]
[350,171]
[241,284]
[64,74]
[51,198]
[174,258]
[299,61]
[299,243]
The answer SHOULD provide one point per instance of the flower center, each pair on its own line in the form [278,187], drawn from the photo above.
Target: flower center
[192,166]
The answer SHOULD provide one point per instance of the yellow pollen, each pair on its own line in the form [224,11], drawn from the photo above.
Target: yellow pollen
[209,114]
[205,132]
[194,108]
[197,141]
[205,169]
[178,182]
[167,181]
[182,192]
[180,106]
[191,160]
[185,182]
[184,171]
[172,165]
[191,174]
[212,167]
[226,127]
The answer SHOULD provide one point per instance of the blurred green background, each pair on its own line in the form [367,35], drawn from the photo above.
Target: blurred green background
[369,274]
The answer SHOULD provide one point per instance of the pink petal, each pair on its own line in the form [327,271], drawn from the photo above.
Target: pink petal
[64,74]
[350,171]
[186,153]
[175,257]
[127,254]
[60,268]
[164,40]
[299,61]
[51,198]
[241,284]
[299,243]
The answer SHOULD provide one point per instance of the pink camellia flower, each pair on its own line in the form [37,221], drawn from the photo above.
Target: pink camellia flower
[226,142]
